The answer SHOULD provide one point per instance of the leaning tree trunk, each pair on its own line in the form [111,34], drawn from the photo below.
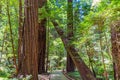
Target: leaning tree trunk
[70,65]
[83,69]
[42,42]
[28,49]
[115,39]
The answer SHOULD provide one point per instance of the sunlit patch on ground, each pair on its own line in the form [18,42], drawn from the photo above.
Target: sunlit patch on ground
[95,2]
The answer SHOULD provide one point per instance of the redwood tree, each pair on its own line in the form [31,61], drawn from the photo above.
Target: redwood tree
[115,39]
[28,40]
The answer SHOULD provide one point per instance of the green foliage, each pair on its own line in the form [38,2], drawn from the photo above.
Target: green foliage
[95,23]
[3,74]
[6,56]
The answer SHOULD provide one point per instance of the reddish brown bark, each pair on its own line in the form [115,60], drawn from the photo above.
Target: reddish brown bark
[28,49]
[115,39]
[83,69]
[41,3]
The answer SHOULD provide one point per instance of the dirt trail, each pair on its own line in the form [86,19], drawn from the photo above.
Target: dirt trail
[56,75]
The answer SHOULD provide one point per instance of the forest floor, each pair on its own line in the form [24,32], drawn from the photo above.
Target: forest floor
[56,75]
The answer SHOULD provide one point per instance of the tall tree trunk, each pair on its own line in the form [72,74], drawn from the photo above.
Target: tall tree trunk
[70,65]
[115,39]
[83,69]
[11,35]
[28,50]
[42,42]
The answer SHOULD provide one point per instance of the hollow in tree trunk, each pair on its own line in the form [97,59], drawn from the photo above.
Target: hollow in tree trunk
[42,42]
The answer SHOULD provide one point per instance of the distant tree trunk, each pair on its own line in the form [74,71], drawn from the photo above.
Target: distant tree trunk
[28,50]
[88,51]
[83,69]
[101,50]
[115,39]
[20,38]
[3,42]
[70,65]
[48,44]
[11,35]
[42,42]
